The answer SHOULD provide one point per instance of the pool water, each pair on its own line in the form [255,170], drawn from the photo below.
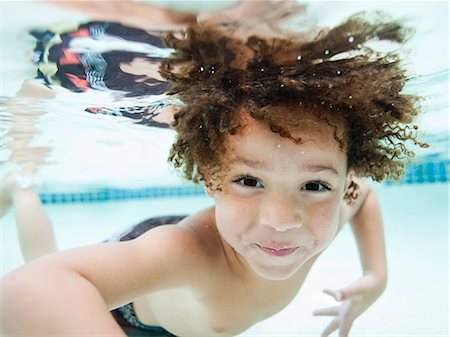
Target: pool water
[80,149]
[89,157]
[415,302]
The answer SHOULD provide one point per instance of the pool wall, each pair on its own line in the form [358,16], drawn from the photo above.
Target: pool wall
[426,171]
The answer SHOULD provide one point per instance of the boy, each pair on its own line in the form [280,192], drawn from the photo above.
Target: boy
[277,130]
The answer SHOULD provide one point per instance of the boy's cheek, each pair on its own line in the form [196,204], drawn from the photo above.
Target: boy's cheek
[233,210]
[231,206]
[324,220]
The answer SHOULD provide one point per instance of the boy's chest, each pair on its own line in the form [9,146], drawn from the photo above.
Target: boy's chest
[239,306]
[229,307]
[234,304]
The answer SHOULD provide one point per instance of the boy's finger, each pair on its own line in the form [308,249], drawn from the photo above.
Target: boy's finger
[330,311]
[346,322]
[344,328]
[359,287]
[334,324]
[336,294]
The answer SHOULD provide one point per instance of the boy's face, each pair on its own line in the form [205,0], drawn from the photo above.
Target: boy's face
[280,201]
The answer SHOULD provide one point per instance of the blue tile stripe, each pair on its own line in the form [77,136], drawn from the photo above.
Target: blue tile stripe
[425,172]
[110,194]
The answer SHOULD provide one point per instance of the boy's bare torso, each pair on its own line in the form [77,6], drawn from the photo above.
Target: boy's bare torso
[232,298]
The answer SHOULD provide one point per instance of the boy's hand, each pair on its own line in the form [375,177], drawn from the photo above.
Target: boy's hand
[355,299]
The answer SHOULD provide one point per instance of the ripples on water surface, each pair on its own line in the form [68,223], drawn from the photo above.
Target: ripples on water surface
[71,146]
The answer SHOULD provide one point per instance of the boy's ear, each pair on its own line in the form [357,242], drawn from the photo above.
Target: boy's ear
[204,181]
[207,189]
[351,187]
[349,179]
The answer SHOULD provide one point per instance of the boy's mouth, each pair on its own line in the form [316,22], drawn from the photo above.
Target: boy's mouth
[277,251]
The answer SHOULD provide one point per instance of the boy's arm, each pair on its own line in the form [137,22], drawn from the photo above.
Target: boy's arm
[367,227]
[42,300]
[72,292]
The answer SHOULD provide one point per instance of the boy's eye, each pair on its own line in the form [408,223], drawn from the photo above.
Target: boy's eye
[248,181]
[315,186]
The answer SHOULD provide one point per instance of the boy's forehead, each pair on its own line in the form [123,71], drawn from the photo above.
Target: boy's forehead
[259,148]
[257,142]
[308,128]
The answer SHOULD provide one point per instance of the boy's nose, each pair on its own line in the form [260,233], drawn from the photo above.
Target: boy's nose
[281,214]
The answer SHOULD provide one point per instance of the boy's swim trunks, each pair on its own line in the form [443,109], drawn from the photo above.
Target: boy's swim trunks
[125,315]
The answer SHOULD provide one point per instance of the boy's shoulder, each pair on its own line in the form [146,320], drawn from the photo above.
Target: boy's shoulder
[193,243]
[202,227]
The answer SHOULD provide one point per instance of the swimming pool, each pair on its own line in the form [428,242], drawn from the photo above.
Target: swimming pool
[69,141]
[415,302]
[111,175]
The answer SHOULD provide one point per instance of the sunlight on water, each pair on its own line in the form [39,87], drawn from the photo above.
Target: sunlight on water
[48,129]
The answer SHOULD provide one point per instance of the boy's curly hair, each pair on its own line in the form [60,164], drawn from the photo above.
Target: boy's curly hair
[336,76]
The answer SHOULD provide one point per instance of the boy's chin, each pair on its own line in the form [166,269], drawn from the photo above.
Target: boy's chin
[278,273]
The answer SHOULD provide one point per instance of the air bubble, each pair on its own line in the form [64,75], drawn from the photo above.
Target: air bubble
[350,97]
[338,72]
[262,69]
[351,39]
[327,52]
[299,58]
[202,69]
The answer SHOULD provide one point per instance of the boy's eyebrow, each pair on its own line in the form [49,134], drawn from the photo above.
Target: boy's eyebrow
[319,168]
[256,164]
[251,163]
